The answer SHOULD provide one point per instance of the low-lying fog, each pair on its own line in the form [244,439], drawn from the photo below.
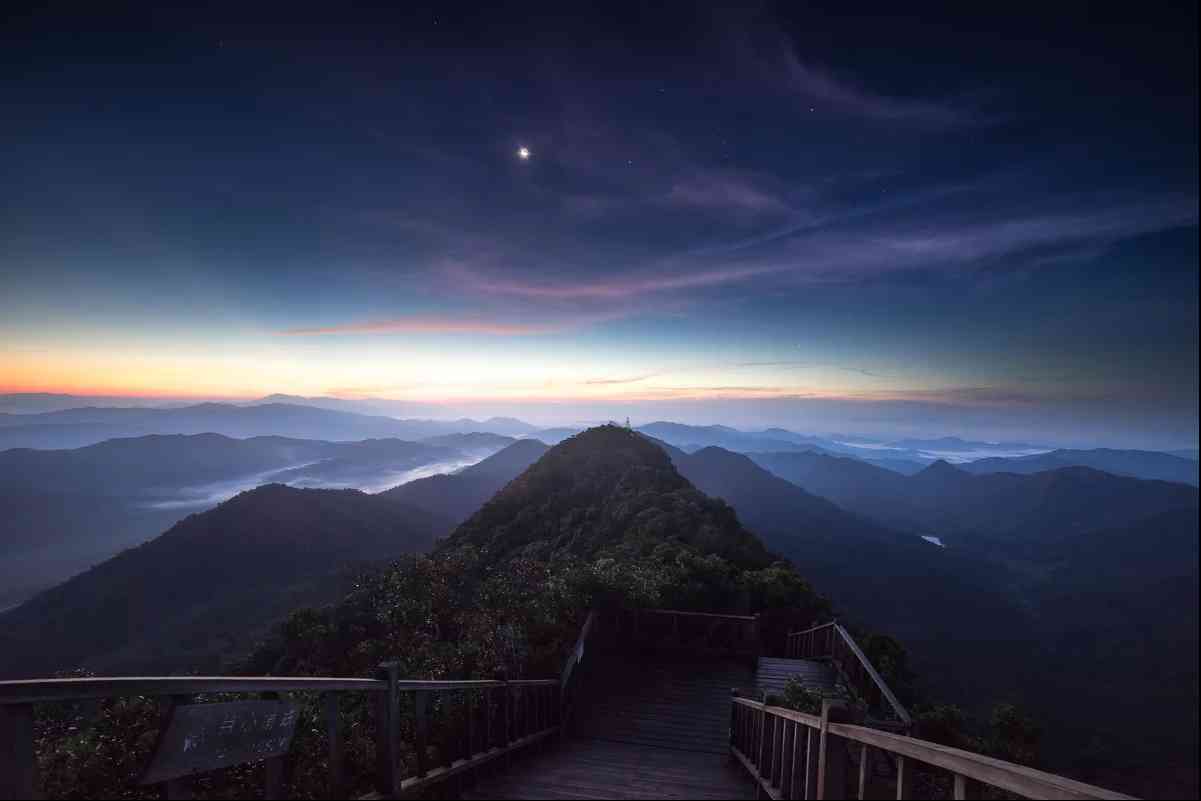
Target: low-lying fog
[308,475]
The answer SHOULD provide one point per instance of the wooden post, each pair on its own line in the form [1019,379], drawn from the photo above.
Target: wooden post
[966,788]
[761,750]
[796,760]
[864,754]
[18,763]
[387,744]
[508,715]
[786,757]
[904,778]
[334,740]
[421,726]
[486,702]
[811,742]
[832,753]
[468,724]
[777,763]
[733,717]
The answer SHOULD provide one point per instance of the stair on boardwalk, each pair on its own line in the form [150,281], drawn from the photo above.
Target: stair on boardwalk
[646,726]
[662,702]
[771,674]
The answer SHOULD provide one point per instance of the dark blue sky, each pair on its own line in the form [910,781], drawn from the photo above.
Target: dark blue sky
[944,220]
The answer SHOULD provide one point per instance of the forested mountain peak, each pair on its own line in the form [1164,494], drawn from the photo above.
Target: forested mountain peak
[605,487]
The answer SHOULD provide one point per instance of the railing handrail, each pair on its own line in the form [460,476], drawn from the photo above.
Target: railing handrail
[897,708]
[744,618]
[577,653]
[31,691]
[1009,776]
[813,629]
[27,691]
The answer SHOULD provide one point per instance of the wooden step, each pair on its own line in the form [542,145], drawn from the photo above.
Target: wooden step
[773,673]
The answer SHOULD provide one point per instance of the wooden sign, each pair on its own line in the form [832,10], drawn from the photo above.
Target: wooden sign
[202,737]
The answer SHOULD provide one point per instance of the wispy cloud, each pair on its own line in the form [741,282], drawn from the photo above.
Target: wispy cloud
[823,87]
[836,253]
[426,325]
[627,380]
[725,191]
[813,366]
[607,289]
[772,56]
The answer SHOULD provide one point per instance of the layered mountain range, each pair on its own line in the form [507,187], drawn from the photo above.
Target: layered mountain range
[1046,587]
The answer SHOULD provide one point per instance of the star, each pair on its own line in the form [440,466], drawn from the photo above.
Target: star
[523,153]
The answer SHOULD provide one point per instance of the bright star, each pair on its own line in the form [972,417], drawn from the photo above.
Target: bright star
[523,153]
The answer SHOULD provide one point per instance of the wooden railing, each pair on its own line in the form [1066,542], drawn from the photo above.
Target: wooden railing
[831,641]
[567,679]
[691,631]
[791,754]
[492,718]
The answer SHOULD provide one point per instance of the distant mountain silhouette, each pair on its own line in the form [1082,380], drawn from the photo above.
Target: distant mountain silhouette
[553,436]
[959,506]
[1053,590]
[1138,464]
[691,438]
[1117,618]
[694,437]
[203,590]
[893,581]
[956,444]
[475,440]
[66,510]
[457,496]
[849,482]
[72,428]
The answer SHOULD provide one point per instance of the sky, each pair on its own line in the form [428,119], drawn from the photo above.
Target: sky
[829,217]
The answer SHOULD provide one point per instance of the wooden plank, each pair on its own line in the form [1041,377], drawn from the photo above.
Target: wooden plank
[204,737]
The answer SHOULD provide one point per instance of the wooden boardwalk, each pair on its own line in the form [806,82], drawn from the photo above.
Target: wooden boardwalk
[646,727]
[600,769]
